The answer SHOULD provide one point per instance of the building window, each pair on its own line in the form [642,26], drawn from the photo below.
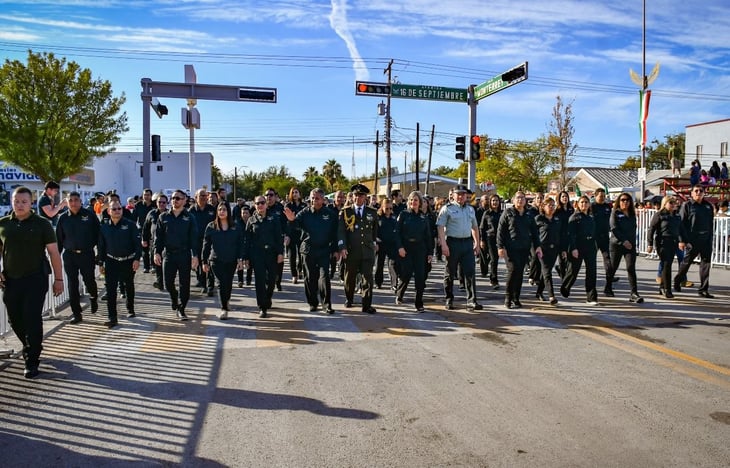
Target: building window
[698,152]
[159,168]
[723,149]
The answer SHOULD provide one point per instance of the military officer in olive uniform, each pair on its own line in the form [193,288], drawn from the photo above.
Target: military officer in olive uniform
[357,233]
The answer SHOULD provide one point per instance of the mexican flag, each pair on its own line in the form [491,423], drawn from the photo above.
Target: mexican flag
[644,97]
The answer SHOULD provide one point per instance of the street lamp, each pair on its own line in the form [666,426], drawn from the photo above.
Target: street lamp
[235,180]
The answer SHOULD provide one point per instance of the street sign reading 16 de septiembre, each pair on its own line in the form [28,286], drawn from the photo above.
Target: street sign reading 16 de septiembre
[433,93]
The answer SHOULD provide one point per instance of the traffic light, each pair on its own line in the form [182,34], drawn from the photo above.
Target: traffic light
[519,73]
[474,145]
[370,88]
[160,109]
[461,147]
[156,154]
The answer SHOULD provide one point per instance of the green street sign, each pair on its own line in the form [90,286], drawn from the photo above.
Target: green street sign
[498,83]
[432,93]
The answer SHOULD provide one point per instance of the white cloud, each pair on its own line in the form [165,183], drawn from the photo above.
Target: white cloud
[338,21]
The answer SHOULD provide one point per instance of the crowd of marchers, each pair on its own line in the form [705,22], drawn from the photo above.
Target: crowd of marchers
[354,238]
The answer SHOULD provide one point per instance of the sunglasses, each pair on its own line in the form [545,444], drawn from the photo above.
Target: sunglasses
[270,194]
[178,198]
[115,209]
[624,200]
[161,202]
[260,202]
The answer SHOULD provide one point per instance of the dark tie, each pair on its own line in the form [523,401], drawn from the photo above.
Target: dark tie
[359,212]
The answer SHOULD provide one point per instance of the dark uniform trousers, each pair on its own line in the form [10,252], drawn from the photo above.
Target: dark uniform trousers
[245,271]
[586,255]
[172,263]
[493,258]
[205,279]
[224,271]
[461,253]
[602,245]
[413,265]
[667,249]
[547,262]
[702,247]
[363,266]
[317,285]
[265,271]
[23,299]
[393,265]
[75,262]
[516,261]
[618,251]
[119,272]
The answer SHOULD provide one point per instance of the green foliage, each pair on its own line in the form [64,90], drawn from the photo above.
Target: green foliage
[560,137]
[657,154]
[54,117]
[332,172]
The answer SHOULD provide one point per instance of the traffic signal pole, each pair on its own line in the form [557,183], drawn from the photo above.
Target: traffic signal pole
[472,102]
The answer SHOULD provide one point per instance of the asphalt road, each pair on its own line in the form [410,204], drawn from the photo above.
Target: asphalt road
[616,385]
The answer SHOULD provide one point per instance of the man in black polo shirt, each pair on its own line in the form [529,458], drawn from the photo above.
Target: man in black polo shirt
[47,207]
[176,235]
[24,240]
[139,214]
[77,233]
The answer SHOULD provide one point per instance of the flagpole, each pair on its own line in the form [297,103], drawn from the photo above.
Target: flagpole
[642,184]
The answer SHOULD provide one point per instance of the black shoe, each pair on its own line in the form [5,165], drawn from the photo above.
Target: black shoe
[608,293]
[175,305]
[398,301]
[420,310]
[312,308]
[211,293]
[75,319]
[540,297]
[474,306]
[669,295]
[615,278]
[677,287]
[369,310]
[329,310]
[517,303]
[636,299]
[31,372]
[564,292]
[131,314]
[705,294]
[494,285]
[348,305]
[204,290]
[462,287]
[449,304]
[146,270]
[111,323]
[507,304]
[103,297]
[278,286]
[94,305]
[181,314]
[262,313]
[240,284]
[553,301]
[248,283]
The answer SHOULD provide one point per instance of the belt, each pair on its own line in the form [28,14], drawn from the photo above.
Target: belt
[448,238]
[413,240]
[78,251]
[121,259]
[589,237]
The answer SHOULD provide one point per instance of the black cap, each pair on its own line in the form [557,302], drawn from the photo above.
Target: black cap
[461,189]
[359,189]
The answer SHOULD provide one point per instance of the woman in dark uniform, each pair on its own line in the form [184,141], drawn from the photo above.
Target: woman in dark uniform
[295,204]
[665,230]
[549,228]
[415,248]
[623,243]
[242,221]
[564,211]
[264,251]
[488,236]
[581,249]
[516,234]
[387,242]
[223,253]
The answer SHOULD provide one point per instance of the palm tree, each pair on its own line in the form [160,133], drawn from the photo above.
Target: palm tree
[332,171]
[310,172]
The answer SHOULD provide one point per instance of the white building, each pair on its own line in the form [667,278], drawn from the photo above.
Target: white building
[707,142]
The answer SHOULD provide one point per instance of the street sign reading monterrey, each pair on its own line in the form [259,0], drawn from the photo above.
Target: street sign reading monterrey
[500,82]
[433,93]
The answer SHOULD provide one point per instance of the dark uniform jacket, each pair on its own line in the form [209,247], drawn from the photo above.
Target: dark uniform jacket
[358,234]
[517,231]
[294,230]
[550,233]
[318,228]
[263,236]
[175,234]
[388,237]
[119,241]
[414,231]
[665,227]
[150,225]
[581,232]
[202,217]
[77,232]
[623,228]
[224,246]
[698,219]
[140,212]
[601,217]
[489,223]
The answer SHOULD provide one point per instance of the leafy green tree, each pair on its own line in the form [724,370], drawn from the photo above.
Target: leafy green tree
[54,117]
[310,172]
[560,137]
[657,154]
[332,172]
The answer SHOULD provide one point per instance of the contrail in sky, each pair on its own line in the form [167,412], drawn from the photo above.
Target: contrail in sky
[338,21]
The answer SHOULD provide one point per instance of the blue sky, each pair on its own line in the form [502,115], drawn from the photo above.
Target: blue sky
[313,51]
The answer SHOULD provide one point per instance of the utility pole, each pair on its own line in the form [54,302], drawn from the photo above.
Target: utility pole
[388,174]
[418,166]
[430,153]
[376,189]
